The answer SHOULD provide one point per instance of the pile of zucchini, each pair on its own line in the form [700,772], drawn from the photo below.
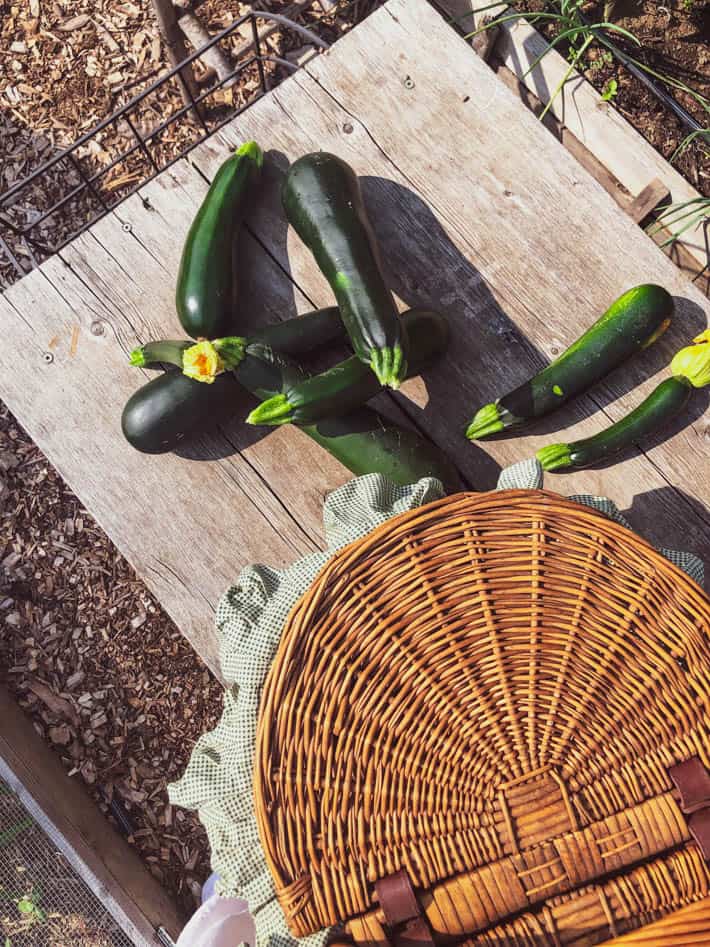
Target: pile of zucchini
[322,201]
[200,388]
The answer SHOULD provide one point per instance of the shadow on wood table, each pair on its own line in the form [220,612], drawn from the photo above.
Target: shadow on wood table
[652,515]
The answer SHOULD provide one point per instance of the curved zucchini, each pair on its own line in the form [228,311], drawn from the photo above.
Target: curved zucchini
[661,406]
[630,324]
[322,200]
[350,383]
[168,410]
[206,280]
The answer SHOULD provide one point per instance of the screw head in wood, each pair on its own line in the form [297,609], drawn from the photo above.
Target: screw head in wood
[348,128]
[408,82]
[47,358]
[97,328]
[126,226]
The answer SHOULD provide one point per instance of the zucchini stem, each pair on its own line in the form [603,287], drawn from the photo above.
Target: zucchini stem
[250,149]
[554,456]
[388,365]
[490,419]
[275,410]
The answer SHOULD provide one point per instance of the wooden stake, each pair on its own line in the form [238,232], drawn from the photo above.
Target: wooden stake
[214,57]
[177,50]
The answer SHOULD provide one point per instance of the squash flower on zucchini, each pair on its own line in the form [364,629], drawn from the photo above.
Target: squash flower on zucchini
[690,368]
[202,361]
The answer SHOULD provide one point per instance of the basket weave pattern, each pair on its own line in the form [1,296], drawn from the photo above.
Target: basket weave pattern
[487,692]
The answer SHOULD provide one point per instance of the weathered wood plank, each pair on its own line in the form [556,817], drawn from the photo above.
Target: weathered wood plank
[94,849]
[451,181]
[186,526]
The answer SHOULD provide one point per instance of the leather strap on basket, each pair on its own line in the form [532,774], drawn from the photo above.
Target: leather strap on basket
[692,781]
[402,913]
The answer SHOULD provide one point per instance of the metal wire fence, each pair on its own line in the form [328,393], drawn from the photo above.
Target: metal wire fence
[40,214]
[43,903]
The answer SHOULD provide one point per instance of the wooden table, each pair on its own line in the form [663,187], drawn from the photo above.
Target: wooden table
[480,212]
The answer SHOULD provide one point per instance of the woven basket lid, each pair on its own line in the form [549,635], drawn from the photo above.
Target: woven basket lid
[489,695]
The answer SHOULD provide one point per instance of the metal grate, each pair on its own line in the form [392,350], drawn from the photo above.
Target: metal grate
[43,903]
[68,193]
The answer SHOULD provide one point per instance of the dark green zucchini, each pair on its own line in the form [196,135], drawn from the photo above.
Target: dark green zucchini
[365,442]
[301,335]
[171,408]
[661,406]
[351,383]
[322,200]
[632,323]
[207,280]
[690,369]
[362,440]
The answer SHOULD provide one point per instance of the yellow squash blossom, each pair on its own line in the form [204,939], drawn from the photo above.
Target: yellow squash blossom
[693,362]
[202,362]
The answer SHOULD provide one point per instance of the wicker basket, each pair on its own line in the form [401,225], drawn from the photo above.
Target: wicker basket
[472,730]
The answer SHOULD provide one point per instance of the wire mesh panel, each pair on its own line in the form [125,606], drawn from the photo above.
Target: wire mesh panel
[72,190]
[43,903]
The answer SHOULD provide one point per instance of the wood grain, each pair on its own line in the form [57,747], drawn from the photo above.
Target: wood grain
[97,853]
[479,211]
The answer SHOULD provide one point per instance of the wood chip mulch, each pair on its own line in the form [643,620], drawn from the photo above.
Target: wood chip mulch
[106,677]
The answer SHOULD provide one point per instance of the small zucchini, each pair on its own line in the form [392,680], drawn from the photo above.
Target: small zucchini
[170,409]
[690,369]
[206,282]
[162,352]
[296,336]
[350,383]
[632,323]
[322,200]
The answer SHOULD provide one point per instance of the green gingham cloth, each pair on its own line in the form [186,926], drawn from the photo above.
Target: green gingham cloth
[250,617]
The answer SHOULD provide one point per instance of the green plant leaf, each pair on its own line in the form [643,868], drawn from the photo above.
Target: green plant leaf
[611,87]
[25,906]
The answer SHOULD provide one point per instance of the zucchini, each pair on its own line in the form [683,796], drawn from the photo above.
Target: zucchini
[690,369]
[661,406]
[302,334]
[162,352]
[365,442]
[296,336]
[632,323]
[171,408]
[362,440]
[206,282]
[350,383]
[322,200]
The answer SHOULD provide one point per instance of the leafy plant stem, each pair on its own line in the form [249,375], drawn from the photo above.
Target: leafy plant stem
[565,77]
